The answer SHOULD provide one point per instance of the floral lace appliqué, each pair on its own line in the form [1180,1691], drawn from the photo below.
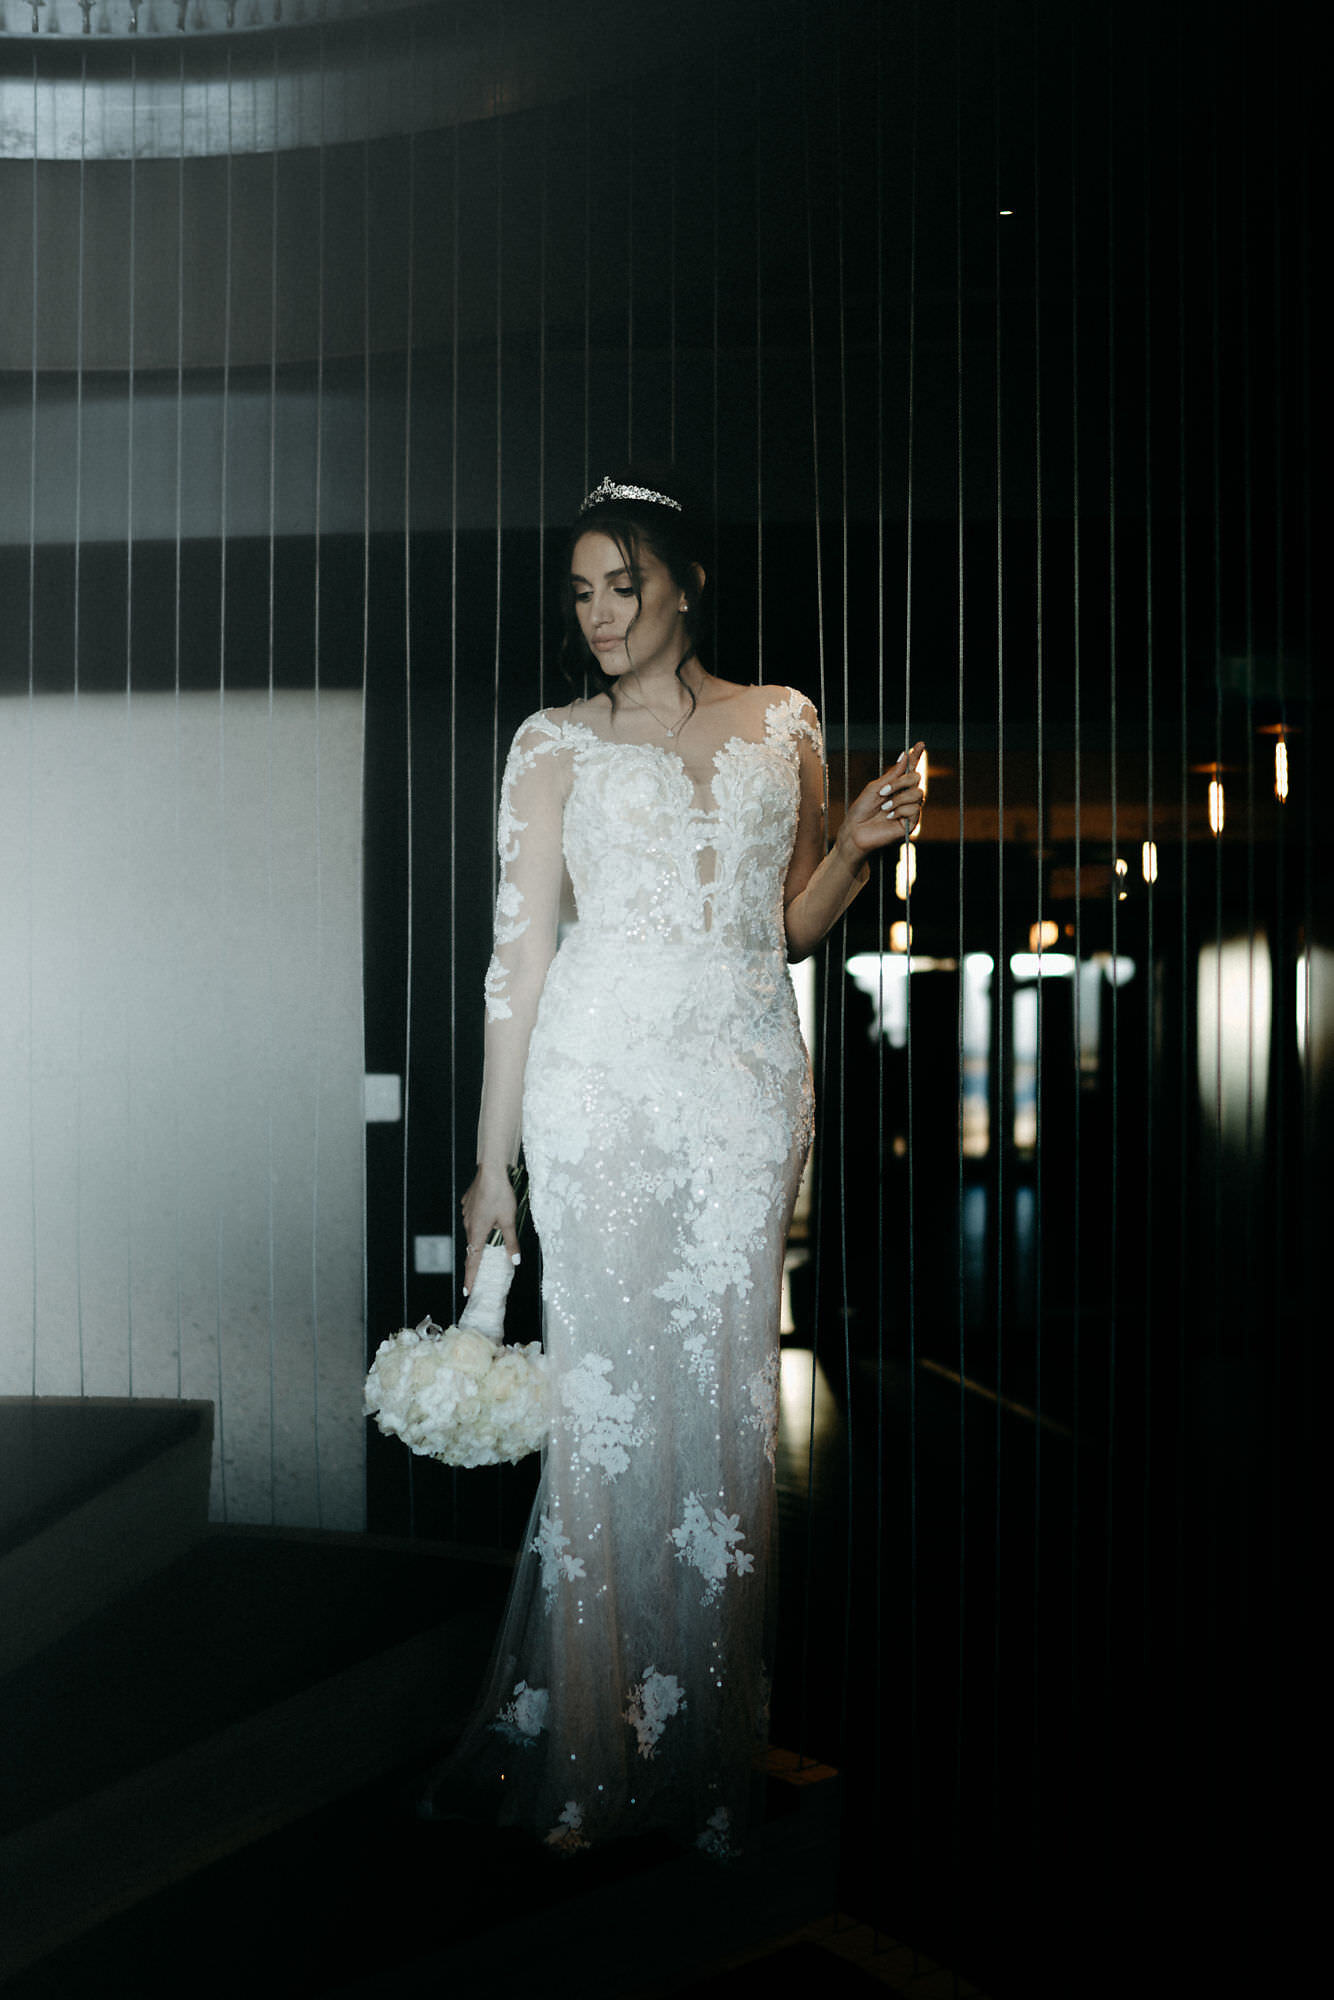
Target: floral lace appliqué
[711,1545]
[524,1717]
[651,1706]
[551,1544]
[763,1386]
[716,1839]
[567,1835]
[604,1423]
[538,737]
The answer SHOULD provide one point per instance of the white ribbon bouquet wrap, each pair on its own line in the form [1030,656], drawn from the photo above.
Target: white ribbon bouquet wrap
[458,1393]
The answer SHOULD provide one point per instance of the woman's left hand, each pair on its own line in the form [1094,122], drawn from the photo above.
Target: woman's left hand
[885,810]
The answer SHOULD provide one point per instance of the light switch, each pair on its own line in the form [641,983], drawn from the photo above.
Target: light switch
[384,1098]
[432,1256]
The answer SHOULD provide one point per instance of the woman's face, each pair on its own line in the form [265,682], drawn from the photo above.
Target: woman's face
[604,603]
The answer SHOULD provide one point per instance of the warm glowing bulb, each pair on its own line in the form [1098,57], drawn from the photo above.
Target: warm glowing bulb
[1215,806]
[1148,861]
[1280,770]
[1042,936]
[1122,865]
[905,873]
[900,936]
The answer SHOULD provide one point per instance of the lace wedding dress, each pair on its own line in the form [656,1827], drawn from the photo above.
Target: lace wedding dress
[666,1114]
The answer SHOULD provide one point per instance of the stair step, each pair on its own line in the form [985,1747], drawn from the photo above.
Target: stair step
[258,1678]
[96,1493]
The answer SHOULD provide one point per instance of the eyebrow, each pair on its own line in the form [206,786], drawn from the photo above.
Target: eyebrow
[623,570]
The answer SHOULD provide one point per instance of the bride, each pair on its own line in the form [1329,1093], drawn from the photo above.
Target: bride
[653,1070]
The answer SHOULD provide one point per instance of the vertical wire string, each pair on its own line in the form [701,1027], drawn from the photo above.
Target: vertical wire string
[915,1856]
[1113,1290]
[29,911]
[758,238]
[317,610]
[822,1030]
[499,461]
[850,1460]
[1076,665]
[714,317]
[630,272]
[223,550]
[1004,1125]
[1216,1582]
[1183,1260]
[671,277]
[1255,1134]
[129,659]
[1216,590]
[455,1165]
[78,690]
[500,496]
[1213,1552]
[542,336]
[1282,948]
[271,638]
[410,795]
[1039,1081]
[1312,1243]
[408,1472]
[1150,851]
[178,803]
[957,1787]
[409,699]
[880,1442]
[588,276]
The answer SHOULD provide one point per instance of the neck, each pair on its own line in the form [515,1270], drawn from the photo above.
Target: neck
[663,686]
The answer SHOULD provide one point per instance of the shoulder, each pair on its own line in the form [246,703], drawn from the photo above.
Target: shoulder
[790,713]
[541,733]
[554,724]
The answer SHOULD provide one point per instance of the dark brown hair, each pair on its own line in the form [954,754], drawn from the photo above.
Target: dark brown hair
[634,525]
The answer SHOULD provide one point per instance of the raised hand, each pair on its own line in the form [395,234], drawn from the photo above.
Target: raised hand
[887,809]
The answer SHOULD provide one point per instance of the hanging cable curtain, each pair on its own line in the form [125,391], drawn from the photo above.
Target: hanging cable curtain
[985,333]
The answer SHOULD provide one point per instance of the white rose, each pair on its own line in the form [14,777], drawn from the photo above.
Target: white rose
[471,1353]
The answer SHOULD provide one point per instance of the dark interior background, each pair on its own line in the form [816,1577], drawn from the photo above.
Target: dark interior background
[983,331]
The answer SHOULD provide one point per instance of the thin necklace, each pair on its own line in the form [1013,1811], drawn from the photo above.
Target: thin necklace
[674,729]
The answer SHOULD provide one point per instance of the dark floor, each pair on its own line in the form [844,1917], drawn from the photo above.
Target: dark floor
[1058,1777]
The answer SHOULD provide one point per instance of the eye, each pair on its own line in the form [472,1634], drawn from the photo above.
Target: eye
[624,590]
[582,596]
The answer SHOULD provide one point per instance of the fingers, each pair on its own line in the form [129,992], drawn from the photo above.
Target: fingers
[473,1261]
[472,1265]
[899,793]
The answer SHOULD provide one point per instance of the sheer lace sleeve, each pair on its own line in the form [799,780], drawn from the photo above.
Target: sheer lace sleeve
[528,833]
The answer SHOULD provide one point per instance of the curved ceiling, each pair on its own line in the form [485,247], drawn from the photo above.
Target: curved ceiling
[200,78]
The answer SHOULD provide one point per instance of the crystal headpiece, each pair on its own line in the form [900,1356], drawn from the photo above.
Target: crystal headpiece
[609,490]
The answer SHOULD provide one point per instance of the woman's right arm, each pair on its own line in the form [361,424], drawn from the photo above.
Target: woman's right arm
[527,912]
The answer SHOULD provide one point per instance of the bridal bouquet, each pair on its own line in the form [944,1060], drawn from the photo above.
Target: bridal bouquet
[457,1393]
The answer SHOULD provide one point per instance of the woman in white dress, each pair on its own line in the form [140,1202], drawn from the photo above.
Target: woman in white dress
[653,1071]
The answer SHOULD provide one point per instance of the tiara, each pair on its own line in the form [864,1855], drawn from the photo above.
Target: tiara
[609,490]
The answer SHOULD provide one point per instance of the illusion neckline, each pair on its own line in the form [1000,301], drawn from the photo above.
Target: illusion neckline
[665,750]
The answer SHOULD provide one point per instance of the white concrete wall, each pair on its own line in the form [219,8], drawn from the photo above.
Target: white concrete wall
[181,1137]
